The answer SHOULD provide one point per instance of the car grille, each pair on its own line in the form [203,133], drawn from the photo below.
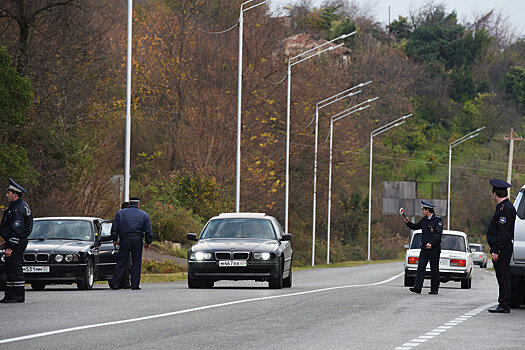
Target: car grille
[223,255]
[235,255]
[32,257]
[241,255]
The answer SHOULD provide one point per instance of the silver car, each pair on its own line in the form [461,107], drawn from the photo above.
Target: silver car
[479,257]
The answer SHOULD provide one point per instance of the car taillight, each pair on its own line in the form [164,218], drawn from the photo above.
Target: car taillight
[481,256]
[413,260]
[458,262]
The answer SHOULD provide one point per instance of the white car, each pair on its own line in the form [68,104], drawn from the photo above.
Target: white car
[479,257]
[455,260]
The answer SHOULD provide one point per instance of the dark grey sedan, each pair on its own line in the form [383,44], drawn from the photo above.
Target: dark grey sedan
[241,246]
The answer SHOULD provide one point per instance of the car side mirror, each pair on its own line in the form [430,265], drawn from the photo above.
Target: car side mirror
[286,237]
[406,246]
[192,236]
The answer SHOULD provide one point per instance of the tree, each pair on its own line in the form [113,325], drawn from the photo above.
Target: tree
[515,85]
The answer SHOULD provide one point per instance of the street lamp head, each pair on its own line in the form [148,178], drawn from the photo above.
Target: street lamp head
[344,36]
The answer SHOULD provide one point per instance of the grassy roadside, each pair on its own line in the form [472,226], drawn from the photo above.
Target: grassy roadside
[178,276]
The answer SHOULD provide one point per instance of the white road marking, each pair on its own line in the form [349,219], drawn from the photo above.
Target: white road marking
[441,329]
[138,319]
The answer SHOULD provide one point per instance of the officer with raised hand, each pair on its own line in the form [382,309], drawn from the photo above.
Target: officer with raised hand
[16,226]
[128,230]
[500,234]
[431,229]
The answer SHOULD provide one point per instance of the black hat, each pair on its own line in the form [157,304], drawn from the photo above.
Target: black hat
[14,187]
[499,184]
[427,205]
[134,201]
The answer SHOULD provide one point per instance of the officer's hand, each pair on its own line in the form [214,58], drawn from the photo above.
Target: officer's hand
[146,246]
[406,220]
[494,256]
[428,246]
[115,244]
[8,253]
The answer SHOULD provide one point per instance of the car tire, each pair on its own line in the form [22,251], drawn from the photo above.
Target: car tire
[194,283]
[287,282]
[409,281]
[207,284]
[277,282]
[466,283]
[2,285]
[38,285]
[89,277]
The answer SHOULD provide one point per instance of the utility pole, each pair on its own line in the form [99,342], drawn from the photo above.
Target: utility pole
[511,153]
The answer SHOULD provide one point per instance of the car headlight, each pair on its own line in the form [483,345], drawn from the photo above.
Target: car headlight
[69,258]
[262,256]
[59,258]
[200,256]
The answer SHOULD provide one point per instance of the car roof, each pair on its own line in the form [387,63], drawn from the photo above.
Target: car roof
[242,216]
[83,218]
[448,232]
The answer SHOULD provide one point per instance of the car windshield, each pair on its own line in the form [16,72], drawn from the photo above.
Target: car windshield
[476,248]
[239,228]
[448,242]
[62,229]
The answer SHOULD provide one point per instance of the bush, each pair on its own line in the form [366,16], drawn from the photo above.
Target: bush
[166,266]
[172,223]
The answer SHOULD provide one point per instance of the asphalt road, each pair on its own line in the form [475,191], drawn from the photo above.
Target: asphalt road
[363,307]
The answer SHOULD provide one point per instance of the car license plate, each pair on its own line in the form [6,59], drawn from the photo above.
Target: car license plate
[32,269]
[443,262]
[233,263]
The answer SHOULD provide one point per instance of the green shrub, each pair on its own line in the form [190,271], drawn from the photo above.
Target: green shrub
[166,266]
[171,222]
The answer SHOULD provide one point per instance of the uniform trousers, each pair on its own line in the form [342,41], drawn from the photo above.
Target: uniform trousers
[131,244]
[14,285]
[425,256]
[502,268]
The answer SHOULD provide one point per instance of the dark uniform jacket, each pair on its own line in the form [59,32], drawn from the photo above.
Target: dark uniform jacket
[131,222]
[17,223]
[500,232]
[431,230]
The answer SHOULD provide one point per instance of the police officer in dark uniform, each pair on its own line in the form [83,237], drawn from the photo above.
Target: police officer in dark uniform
[16,226]
[500,234]
[128,229]
[432,228]
[124,280]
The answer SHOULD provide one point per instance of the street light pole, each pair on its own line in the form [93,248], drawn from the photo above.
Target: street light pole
[239,101]
[376,132]
[127,142]
[324,103]
[452,145]
[300,58]
[333,119]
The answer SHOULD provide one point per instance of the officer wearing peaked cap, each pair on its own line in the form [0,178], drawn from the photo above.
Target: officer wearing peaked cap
[500,234]
[16,226]
[431,229]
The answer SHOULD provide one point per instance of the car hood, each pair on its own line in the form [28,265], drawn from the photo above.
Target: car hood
[259,245]
[57,246]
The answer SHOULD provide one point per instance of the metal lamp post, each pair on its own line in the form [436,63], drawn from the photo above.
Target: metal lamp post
[454,144]
[239,99]
[300,58]
[127,142]
[333,119]
[376,132]
[325,103]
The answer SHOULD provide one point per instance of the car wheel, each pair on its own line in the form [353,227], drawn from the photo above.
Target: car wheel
[409,281]
[89,277]
[38,285]
[287,282]
[467,283]
[194,283]
[277,283]
[208,284]
[2,285]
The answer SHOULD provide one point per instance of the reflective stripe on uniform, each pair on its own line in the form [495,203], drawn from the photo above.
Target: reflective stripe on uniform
[19,283]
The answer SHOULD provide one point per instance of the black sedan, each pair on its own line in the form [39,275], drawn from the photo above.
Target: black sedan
[66,250]
[241,246]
